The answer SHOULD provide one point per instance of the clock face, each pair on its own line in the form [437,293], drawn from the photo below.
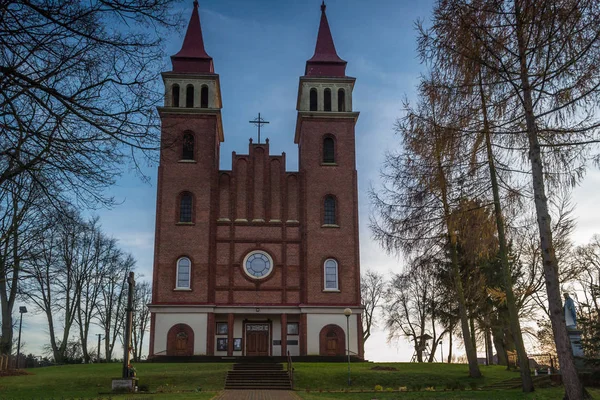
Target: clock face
[258,264]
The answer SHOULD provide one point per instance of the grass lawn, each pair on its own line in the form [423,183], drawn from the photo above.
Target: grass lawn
[87,381]
[541,394]
[181,381]
[334,376]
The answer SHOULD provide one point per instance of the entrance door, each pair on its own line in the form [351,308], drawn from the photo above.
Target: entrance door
[332,344]
[257,339]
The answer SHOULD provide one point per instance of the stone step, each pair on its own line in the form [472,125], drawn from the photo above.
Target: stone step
[258,375]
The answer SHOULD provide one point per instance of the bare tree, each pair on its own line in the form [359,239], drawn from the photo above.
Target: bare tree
[55,279]
[372,285]
[77,89]
[141,317]
[111,312]
[22,225]
[411,308]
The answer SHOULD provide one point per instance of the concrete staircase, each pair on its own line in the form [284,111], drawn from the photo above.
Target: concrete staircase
[264,376]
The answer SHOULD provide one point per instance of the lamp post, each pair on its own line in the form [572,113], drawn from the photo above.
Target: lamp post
[348,313]
[22,310]
[442,349]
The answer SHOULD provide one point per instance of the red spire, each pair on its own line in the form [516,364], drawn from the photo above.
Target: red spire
[325,61]
[192,57]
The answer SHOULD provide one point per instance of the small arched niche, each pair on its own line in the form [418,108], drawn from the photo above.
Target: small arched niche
[175,95]
[313,99]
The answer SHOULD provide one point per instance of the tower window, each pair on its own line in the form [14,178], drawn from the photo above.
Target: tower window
[188,147]
[329,211]
[185,208]
[341,100]
[184,266]
[327,100]
[189,96]
[328,150]
[331,274]
[204,97]
[175,95]
[313,99]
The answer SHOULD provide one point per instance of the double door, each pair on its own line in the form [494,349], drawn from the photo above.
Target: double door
[257,339]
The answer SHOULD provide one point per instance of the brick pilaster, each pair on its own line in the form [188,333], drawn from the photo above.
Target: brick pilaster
[284,335]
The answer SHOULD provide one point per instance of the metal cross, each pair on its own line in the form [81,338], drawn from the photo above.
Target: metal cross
[258,122]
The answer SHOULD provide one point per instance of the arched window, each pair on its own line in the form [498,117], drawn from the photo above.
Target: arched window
[204,97]
[188,147]
[175,95]
[189,96]
[184,266]
[313,99]
[328,150]
[185,208]
[329,211]
[331,274]
[327,100]
[341,100]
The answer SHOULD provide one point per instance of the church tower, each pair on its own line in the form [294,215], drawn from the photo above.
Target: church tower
[327,163]
[187,177]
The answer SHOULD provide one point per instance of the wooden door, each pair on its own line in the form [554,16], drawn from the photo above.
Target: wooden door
[257,340]
[332,344]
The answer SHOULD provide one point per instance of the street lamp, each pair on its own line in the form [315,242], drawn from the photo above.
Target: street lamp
[442,349]
[348,313]
[22,310]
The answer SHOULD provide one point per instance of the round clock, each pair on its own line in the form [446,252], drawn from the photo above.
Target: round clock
[258,264]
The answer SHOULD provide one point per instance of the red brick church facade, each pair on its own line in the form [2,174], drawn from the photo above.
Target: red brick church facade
[256,260]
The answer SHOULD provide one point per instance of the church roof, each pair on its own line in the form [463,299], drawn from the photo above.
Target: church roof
[192,58]
[325,61]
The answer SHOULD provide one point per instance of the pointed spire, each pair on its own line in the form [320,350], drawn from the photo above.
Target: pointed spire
[192,58]
[325,61]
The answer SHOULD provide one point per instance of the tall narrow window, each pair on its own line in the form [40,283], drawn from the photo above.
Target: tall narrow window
[184,265]
[341,100]
[328,150]
[327,100]
[331,275]
[185,208]
[329,214]
[175,95]
[204,97]
[188,147]
[189,96]
[313,99]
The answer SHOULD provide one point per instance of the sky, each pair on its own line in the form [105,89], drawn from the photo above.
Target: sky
[260,48]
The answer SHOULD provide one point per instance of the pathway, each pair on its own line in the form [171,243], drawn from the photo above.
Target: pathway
[257,395]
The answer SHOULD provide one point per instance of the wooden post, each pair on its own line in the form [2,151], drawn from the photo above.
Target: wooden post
[128,324]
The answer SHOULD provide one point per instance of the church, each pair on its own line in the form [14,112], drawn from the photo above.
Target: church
[256,260]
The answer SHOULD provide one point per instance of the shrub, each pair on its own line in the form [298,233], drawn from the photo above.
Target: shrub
[389,389]
[378,388]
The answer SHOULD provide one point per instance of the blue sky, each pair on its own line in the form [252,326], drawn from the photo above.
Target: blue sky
[259,49]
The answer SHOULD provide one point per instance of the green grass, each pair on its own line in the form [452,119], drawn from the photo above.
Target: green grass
[87,381]
[541,394]
[334,376]
[180,381]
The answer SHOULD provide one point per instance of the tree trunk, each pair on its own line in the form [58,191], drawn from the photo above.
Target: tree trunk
[474,371]
[473,336]
[573,387]
[488,346]
[450,348]
[498,339]
[511,302]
